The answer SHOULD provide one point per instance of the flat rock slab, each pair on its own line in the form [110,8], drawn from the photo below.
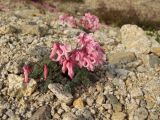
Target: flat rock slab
[59,92]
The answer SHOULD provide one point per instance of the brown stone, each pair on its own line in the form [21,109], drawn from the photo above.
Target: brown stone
[156,51]
[78,103]
[43,113]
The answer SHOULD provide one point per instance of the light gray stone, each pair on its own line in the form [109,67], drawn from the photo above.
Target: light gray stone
[69,116]
[43,113]
[59,92]
[100,99]
[140,114]
[136,92]
[135,39]
[151,61]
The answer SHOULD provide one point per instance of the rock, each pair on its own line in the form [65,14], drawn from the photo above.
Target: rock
[89,101]
[140,114]
[154,115]
[56,116]
[99,87]
[121,57]
[136,92]
[43,113]
[156,51]
[10,113]
[118,116]
[107,106]
[69,116]
[87,115]
[78,103]
[151,60]
[25,13]
[65,107]
[6,29]
[151,91]
[135,39]
[46,98]
[112,99]
[122,73]
[14,118]
[14,67]
[117,106]
[31,30]
[17,87]
[100,99]
[60,111]
[59,92]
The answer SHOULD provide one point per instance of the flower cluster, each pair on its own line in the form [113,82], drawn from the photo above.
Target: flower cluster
[88,21]
[68,19]
[88,54]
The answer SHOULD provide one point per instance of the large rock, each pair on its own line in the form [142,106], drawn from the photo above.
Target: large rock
[59,92]
[135,39]
[126,11]
[17,87]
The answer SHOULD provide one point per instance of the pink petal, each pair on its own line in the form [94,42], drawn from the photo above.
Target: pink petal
[45,71]
[70,70]
[64,67]
[26,71]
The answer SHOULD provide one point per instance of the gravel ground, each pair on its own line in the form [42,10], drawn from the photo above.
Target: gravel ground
[127,86]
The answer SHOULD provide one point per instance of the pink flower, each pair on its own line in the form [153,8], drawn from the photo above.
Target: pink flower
[90,22]
[26,72]
[84,38]
[68,19]
[68,66]
[88,54]
[45,71]
[59,51]
[91,52]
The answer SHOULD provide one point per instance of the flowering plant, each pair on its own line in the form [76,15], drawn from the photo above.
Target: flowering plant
[68,19]
[88,21]
[88,54]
